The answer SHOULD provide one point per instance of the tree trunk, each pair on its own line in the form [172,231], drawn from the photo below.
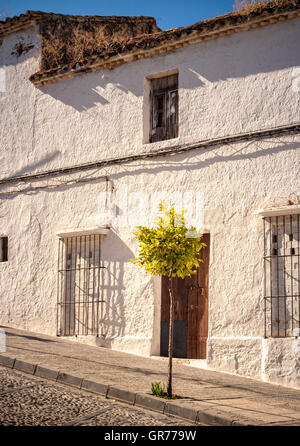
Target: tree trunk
[171,325]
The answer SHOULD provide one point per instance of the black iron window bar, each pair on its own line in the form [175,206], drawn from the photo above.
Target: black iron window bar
[79,294]
[282,276]
[3,249]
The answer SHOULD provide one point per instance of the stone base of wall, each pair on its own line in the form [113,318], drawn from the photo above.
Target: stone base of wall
[129,344]
[281,361]
[271,360]
[240,356]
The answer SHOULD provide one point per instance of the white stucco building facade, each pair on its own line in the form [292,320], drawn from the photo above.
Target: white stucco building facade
[238,148]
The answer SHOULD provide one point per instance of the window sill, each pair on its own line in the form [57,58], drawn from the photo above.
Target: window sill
[282,210]
[83,232]
[164,143]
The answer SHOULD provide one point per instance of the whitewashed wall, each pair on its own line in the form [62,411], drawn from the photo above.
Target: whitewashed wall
[227,86]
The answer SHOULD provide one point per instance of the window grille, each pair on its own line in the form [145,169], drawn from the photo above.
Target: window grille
[79,285]
[282,275]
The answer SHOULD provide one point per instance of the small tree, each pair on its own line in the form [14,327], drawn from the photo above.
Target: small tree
[169,249]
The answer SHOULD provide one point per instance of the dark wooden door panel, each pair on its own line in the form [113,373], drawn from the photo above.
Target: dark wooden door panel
[180,339]
[198,306]
[180,301]
[165,299]
[203,283]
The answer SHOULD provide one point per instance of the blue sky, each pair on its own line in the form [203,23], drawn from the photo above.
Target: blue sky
[169,13]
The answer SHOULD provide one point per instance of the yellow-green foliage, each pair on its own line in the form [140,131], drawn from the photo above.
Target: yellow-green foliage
[168,246]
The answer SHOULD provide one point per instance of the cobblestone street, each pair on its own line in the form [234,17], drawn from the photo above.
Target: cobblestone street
[27,401]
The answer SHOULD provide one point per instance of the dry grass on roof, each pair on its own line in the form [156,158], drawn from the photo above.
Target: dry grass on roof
[248,6]
[66,40]
[81,45]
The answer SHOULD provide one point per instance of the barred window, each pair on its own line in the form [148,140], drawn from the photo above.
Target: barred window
[282,275]
[79,285]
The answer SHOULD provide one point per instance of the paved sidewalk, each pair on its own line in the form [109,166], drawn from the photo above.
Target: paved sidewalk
[212,398]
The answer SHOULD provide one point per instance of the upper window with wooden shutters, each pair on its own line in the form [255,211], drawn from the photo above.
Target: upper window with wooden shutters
[164,108]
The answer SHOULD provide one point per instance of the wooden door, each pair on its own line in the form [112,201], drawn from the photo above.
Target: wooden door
[190,311]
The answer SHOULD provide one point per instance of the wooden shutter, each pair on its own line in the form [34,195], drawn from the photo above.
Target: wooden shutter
[159,121]
[172,114]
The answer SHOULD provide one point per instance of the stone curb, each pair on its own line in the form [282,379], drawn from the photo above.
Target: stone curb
[66,378]
[121,395]
[46,373]
[211,416]
[92,386]
[188,413]
[150,402]
[7,361]
[23,366]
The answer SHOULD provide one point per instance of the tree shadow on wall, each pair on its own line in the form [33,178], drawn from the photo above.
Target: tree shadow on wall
[115,254]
